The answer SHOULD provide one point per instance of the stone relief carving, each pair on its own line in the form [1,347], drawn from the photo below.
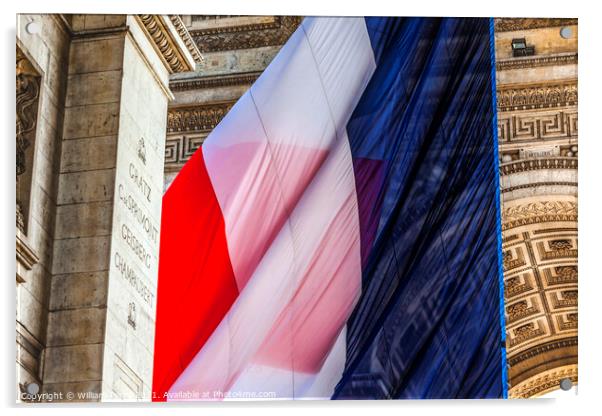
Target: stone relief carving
[196,118]
[27,97]
[537,96]
[534,212]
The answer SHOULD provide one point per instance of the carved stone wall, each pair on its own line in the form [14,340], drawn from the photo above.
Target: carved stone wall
[538,131]
[540,272]
[40,92]
[86,305]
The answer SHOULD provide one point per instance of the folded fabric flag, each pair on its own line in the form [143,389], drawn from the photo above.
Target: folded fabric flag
[337,234]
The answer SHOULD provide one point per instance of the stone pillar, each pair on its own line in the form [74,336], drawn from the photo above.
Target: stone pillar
[42,55]
[103,291]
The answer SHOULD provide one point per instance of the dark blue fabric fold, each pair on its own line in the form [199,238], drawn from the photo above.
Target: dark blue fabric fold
[427,324]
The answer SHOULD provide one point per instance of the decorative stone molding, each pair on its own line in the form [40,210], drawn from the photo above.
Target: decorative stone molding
[204,17]
[248,36]
[521,23]
[561,94]
[246,78]
[537,184]
[196,118]
[526,127]
[544,382]
[542,349]
[536,212]
[179,149]
[533,62]
[166,42]
[185,35]
[211,24]
[538,164]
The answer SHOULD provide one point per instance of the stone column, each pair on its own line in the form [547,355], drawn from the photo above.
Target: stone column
[103,290]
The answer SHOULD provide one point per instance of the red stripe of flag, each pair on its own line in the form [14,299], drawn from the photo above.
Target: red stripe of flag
[196,282]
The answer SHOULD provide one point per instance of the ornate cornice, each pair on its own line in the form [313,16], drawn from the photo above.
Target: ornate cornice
[529,97]
[538,164]
[249,36]
[523,63]
[196,118]
[544,382]
[165,43]
[246,78]
[537,212]
[185,35]
[522,23]
[275,23]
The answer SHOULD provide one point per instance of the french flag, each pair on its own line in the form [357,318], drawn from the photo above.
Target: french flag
[337,234]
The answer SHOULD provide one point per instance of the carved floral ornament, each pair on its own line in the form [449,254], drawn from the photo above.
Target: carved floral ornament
[196,118]
[537,96]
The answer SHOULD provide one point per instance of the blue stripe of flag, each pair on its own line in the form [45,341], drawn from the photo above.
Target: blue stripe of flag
[427,324]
